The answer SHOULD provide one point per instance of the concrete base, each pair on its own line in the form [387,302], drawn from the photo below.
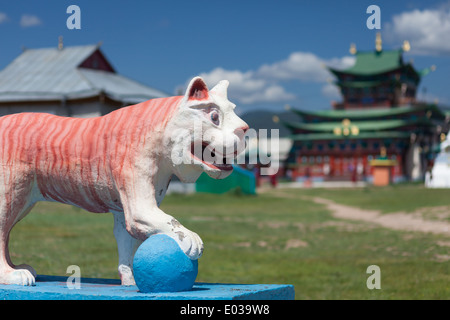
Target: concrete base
[55,288]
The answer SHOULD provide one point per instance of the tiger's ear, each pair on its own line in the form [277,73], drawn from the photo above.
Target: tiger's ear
[197,90]
[221,89]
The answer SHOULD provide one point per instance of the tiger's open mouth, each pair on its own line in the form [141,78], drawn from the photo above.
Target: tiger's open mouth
[211,157]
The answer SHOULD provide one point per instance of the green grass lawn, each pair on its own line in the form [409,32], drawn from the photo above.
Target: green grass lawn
[266,238]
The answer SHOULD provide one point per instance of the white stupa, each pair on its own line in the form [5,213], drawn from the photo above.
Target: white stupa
[439,177]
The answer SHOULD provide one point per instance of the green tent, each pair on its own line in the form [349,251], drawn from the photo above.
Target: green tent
[239,178]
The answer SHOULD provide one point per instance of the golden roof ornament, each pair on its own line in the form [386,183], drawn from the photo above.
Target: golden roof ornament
[378,42]
[352,48]
[406,46]
[337,131]
[346,129]
[355,130]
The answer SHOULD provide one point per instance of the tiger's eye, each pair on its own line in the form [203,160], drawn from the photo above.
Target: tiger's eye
[215,117]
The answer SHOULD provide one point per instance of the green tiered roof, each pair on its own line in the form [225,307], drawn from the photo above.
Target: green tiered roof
[360,84]
[362,135]
[368,123]
[370,63]
[371,114]
[371,66]
[361,125]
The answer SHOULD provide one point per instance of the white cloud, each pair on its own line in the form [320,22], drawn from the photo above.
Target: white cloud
[266,83]
[428,30]
[246,86]
[244,81]
[303,66]
[341,63]
[331,91]
[3,17]
[271,93]
[29,20]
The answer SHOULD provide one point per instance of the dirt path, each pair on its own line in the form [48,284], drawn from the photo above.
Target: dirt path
[397,221]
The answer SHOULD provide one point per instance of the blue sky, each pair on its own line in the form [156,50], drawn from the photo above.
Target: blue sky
[271,51]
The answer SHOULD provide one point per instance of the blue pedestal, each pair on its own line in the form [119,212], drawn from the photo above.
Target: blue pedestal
[55,288]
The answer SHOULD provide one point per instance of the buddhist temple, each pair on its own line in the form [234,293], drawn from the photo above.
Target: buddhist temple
[379,117]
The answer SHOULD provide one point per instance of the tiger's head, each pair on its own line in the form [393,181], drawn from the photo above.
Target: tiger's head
[204,134]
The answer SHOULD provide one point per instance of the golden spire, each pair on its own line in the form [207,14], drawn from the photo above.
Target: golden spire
[406,46]
[346,122]
[352,48]
[378,42]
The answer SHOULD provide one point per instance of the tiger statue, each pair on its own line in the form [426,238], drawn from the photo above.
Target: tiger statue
[121,162]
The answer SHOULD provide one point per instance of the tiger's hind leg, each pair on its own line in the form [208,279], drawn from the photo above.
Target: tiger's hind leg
[15,205]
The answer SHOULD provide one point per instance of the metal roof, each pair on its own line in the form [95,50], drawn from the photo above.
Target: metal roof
[119,87]
[53,74]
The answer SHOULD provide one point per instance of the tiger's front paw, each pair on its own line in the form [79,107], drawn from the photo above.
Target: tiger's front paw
[189,241]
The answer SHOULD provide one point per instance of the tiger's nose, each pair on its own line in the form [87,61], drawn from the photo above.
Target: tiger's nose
[240,132]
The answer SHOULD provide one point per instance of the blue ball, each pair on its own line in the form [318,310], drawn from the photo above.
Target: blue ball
[160,265]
